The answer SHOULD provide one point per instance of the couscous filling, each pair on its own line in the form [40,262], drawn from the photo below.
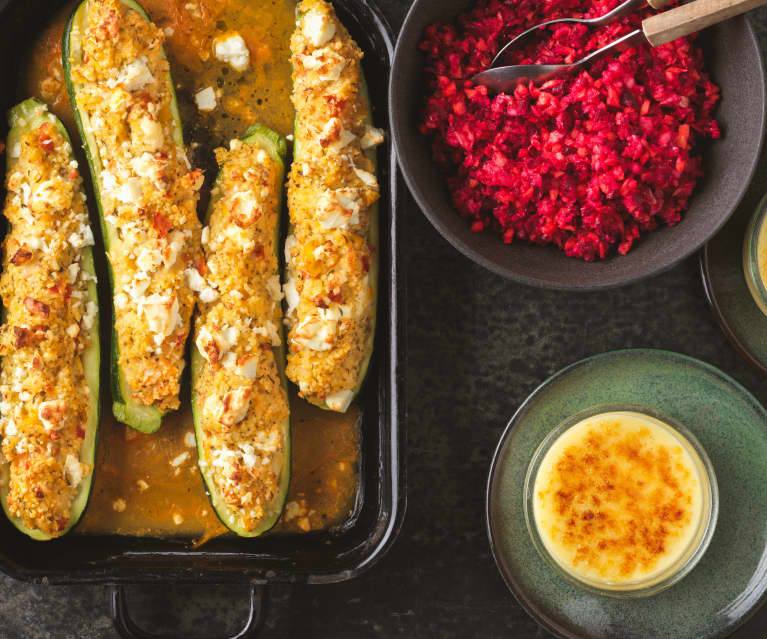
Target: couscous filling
[243,407]
[148,194]
[329,287]
[49,313]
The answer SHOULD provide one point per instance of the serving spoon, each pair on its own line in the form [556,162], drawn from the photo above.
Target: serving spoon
[503,57]
[655,30]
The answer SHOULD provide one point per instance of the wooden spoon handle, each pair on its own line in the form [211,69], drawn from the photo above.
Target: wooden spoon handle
[692,17]
[658,4]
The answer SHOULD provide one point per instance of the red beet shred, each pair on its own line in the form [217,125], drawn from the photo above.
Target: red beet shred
[586,161]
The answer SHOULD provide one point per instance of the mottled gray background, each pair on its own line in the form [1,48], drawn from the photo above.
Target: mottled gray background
[478,345]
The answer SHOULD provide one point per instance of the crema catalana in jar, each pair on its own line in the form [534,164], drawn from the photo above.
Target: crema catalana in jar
[622,502]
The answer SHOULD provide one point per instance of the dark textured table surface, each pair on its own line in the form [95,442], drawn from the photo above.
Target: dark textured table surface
[478,345]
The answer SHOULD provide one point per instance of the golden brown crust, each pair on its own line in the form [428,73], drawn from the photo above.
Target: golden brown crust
[148,192]
[331,189]
[243,405]
[45,397]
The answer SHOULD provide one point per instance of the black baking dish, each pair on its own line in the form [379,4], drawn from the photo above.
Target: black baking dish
[311,558]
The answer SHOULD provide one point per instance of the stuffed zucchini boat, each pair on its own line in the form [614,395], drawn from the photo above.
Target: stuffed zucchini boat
[123,99]
[330,253]
[239,394]
[49,341]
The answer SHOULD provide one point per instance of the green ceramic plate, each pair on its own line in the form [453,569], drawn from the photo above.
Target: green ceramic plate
[728,584]
[722,269]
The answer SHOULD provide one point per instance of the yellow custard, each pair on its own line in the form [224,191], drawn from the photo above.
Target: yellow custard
[621,499]
[755,259]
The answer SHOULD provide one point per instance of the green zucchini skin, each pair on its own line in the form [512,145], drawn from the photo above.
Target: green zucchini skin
[146,419]
[276,146]
[373,235]
[26,116]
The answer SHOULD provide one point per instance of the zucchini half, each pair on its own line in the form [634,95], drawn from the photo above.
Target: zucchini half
[372,155]
[146,419]
[276,146]
[26,116]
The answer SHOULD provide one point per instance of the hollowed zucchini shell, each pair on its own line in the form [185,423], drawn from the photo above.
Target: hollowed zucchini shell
[146,419]
[276,146]
[372,240]
[26,116]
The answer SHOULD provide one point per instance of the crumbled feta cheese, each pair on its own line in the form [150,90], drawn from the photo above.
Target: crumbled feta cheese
[194,280]
[72,270]
[326,63]
[119,505]
[87,236]
[152,136]
[148,259]
[129,191]
[142,485]
[318,28]
[340,400]
[91,308]
[269,329]
[74,470]
[315,333]
[82,239]
[292,509]
[290,242]
[208,294]
[267,442]
[205,235]
[10,429]
[145,165]
[247,367]
[334,136]
[175,244]
[33,242]
[231,410]
[120,300]
[137,286]
[291,295]
[371,137]
[189,439]
[367,178]
[162,315]
[248,456]
[230,335]
[273,287]
[108,181]
[232,50]
[135,75]
[16,150]
[179,459]
[205,99]
[338,209]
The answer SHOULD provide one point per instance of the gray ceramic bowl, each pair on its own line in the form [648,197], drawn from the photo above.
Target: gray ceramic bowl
[732,58]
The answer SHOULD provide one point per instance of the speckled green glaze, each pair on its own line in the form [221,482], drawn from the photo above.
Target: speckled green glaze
[734,307]
[729,581]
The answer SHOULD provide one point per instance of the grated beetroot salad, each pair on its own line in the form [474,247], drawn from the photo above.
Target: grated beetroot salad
[586,161]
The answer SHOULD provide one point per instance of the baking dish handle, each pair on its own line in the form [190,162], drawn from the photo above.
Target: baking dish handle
[128,629]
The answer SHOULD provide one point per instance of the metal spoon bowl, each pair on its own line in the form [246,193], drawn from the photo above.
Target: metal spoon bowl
[504,79]
[503,57]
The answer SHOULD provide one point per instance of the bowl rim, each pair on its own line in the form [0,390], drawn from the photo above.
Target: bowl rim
[750,255]
[691,554]
[422,200]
